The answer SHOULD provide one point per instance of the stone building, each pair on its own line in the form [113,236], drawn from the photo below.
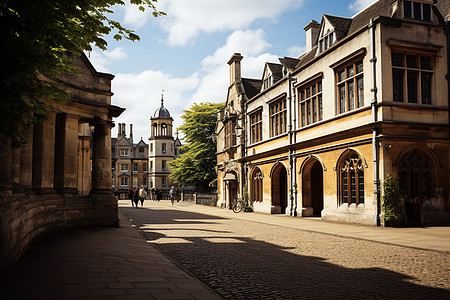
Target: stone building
[318,134]
[129,162]
[163,148]
[62,177]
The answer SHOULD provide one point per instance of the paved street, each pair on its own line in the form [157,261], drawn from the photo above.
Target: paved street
[243,259]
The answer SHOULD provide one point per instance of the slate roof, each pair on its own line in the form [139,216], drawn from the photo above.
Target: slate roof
[277,71]
[289,62]
[340,24]
[251,86]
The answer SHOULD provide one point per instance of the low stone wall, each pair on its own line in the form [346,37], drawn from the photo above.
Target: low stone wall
[26,216]
[209,199]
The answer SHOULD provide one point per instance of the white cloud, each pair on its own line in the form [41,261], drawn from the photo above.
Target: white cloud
[359,5]
[296,51]
[187,19]
[135,17]
[140,94]
[101,59]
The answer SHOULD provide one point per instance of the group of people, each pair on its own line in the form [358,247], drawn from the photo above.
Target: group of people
[137,195]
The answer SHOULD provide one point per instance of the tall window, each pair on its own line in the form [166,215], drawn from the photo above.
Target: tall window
[163,181]
[350,87]
[124,181]
[256,127]
[124,167]
[230,133]
[257,192]
[151,165]
[144,181]
[164,148]
[411,77]
[277,115]
[151,147]
[163,129]
[268,82]
[415,176]
[141,149]
[135,167]
[164,164]
[352,181]
[144,167]
[326,41]
[310,104]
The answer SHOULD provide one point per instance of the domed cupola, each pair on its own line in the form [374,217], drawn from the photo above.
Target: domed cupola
[161,112]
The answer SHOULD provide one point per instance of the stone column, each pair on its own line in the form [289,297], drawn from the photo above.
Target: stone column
[66,146]
[26,158]
[44,155]
[101,158]
[104,209]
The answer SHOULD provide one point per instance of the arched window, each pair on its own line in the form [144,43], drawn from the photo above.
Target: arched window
[163,129]
[257,193]
[415,176]
[352,181]
[155,129]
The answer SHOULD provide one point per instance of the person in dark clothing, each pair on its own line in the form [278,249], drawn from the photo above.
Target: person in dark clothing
[131,195]
[158,195]
[136,196]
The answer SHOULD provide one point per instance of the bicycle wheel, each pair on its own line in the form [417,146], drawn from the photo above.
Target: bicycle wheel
[237,206]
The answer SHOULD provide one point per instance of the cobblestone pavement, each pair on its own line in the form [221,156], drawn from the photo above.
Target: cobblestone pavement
[241,259]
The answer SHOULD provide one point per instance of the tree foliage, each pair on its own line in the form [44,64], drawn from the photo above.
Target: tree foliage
[36,38]
[196,165]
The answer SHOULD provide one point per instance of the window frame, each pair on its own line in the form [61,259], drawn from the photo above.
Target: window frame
[278,117]
[124,168]
[255,126]
[135,167]
[124,181]
[351,180]
[406,70]
[124,152]
[348,77]
[413,13]
[310,92]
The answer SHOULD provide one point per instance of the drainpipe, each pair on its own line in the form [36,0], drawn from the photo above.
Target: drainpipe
[293,141]
[373,61]
[291,156]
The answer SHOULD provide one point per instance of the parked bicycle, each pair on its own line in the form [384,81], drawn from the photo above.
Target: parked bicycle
[241,204]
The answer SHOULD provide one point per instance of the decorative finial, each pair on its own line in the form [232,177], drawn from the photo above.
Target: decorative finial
[176,132]
[162,98]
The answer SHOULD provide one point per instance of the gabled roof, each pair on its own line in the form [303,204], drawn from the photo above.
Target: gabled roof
[141,143]
[251,87]
[277,71]
[385,8]
[340,24]
[289,62]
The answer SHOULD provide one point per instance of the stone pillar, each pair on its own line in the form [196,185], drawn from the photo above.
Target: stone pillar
[104,209]
[44,155]
[5,171]
[26,158]
[66,146]
[101,158]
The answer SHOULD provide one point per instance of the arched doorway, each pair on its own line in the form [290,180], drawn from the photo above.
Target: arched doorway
[279,189]
[312,188]
[230,180]
[416,181]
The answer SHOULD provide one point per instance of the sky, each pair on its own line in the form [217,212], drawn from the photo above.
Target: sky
[184,55]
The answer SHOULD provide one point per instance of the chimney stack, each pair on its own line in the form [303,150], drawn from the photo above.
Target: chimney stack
[131,133]
[312,32]
[235,68]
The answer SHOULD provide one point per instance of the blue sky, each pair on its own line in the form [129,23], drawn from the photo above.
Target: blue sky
[185,53]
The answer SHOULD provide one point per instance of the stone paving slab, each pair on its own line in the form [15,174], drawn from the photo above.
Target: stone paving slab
[427,238]
[99,263]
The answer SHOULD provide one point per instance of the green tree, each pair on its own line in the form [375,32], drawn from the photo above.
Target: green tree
[196,165]
[36,39]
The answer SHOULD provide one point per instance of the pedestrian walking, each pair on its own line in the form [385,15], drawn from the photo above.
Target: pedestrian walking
[171,194]
[177,195]
[136,197]
[158,194]
[142,195]
[131,195]
[153,193]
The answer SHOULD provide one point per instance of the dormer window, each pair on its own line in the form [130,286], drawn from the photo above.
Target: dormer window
[417,10]
[326,41]
[268,82]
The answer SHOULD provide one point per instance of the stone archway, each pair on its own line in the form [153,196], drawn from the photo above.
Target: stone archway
[312,189]
[230,180]
[279,190]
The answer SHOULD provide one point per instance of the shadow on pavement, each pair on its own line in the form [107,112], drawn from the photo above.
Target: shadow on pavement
[240,267]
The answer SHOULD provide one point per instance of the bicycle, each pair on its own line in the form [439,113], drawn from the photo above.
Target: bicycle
[239,204]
